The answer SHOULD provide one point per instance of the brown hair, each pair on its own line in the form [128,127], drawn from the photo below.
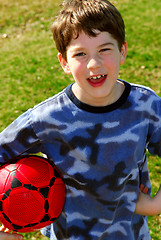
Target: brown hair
[87,16]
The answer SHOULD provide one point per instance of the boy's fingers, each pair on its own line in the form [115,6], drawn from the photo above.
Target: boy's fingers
[8,236]
[143,188]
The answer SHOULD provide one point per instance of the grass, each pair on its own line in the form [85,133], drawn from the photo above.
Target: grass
[30,72]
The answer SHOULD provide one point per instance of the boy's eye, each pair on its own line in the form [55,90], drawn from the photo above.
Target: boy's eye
[105,49]
[79,54]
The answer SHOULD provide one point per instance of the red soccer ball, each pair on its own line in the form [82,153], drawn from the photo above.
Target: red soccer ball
[32,193]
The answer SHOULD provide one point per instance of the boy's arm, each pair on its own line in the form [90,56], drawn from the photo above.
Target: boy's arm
[148,206]
[7,236]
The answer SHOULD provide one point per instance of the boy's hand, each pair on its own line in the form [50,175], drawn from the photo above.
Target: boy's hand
[6,235]
[146,205]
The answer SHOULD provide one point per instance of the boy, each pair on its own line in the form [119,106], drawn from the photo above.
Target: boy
[96,131]
[7,236]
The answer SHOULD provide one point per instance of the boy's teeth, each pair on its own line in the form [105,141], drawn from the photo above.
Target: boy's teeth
[97,77]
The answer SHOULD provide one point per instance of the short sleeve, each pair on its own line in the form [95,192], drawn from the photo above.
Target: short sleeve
[154,144]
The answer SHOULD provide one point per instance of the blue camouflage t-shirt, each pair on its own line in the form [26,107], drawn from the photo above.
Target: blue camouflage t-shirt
[101,152]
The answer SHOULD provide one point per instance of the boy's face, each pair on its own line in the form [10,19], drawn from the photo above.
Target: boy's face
[94,63]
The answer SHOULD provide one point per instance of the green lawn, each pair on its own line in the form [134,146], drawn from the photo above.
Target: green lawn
[30,72]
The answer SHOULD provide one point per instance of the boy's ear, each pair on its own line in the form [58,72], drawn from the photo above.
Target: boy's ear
[64,64]
[123,53]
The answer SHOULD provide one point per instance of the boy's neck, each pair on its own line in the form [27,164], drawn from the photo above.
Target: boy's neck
[100,102]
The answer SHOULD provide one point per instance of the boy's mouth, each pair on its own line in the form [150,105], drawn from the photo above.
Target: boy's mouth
[97,81]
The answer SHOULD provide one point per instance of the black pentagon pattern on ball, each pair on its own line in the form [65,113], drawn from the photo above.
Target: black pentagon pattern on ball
[1,206]
[46,206]
[44,192]
[56,173]
[5,216]
[30,187]
[16,183]
[6,194]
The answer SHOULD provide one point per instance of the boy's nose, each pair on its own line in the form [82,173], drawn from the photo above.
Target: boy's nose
[93,62]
